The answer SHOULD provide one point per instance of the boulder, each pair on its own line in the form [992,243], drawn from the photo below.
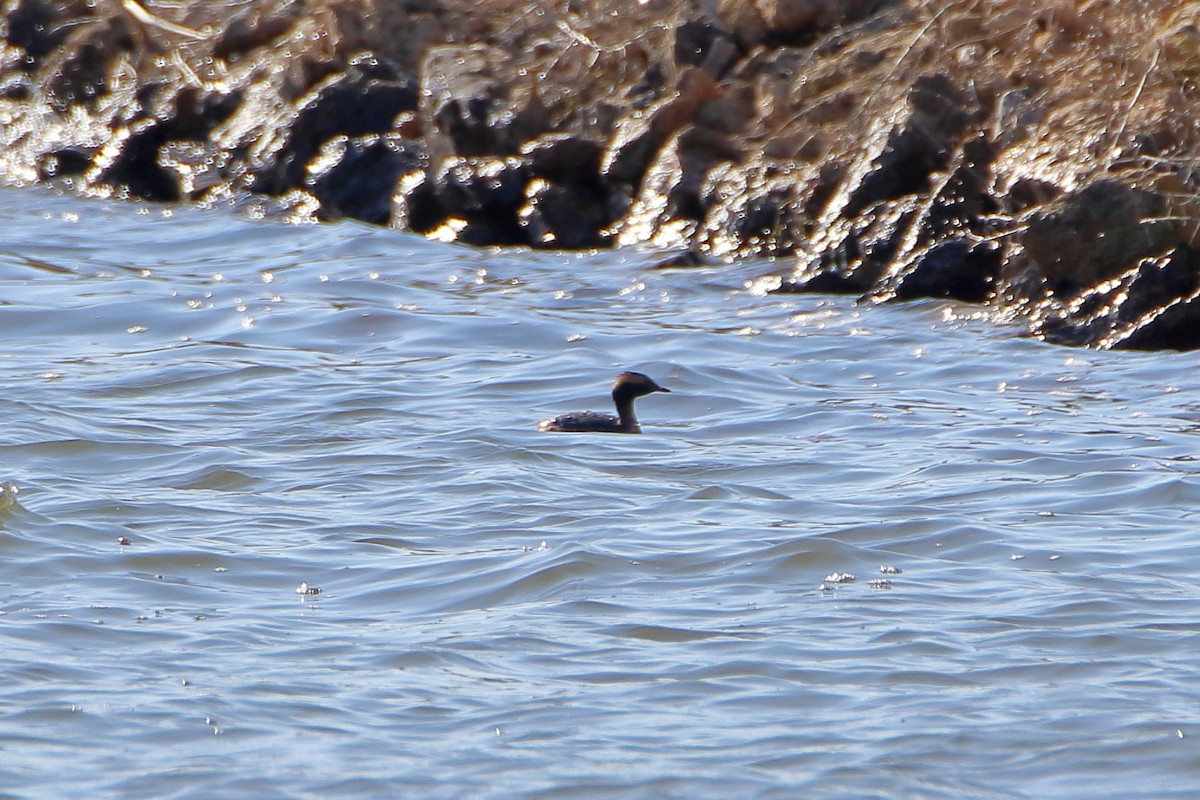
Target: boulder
[959,268]
[357,177]
[480,199]
[347,104]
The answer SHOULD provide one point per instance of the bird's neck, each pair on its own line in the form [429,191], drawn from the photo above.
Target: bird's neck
[625,412]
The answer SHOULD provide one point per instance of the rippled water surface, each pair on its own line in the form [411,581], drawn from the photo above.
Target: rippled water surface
[205,416]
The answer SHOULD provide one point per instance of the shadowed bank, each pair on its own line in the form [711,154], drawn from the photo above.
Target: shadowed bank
[1035,157]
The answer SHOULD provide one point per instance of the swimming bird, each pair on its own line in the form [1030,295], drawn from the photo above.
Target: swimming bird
[628,387]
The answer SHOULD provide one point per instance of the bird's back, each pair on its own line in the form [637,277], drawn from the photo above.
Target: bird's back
[584,422]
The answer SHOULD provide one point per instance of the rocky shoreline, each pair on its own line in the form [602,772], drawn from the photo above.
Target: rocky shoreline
[1039,158]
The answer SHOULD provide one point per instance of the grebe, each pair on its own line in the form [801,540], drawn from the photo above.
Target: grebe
[628,387]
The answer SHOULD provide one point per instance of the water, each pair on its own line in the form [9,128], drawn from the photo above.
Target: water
[259,408]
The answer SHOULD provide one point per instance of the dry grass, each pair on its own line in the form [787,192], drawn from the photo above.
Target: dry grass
[1070,90]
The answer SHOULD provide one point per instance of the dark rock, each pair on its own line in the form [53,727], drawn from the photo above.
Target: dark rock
[827,279]
[1017,114]
[566,204]
[942,255]
[415,204]
[922,146]
[769,223]
[137,166]
[1093,235]
[348,104]
[1094,317]
[375,67]
[959,268]
[1158,283]
[676,195]
[704,44]
[698,152]
[829,179]
[39,27]
[198,167]
[1071,332]
[254,28]
[65,163]
[196,113]
[865,247]
[485,195]
[635,146]
[15,88]
[472,105]
[1162,304]
[782,22]
[565,158]
[565,216]
[1029,192]
[470,124]
[358,176]
[79,71]
[754,211]
[648,90]
[1152,306]
[965,198]
[688,258]
[638,140]
[153,100]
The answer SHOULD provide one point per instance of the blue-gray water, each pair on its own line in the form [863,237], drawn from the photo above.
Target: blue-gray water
[256,406]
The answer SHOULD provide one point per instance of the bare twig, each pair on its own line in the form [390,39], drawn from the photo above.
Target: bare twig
[139,13]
